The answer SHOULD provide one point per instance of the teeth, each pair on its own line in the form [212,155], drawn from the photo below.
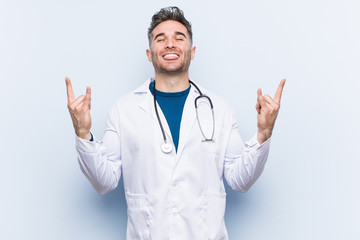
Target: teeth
[170,55]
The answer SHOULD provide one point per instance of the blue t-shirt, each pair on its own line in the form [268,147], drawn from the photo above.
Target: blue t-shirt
[172,105]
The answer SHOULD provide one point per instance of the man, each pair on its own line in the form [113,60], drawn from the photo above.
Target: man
[172,155]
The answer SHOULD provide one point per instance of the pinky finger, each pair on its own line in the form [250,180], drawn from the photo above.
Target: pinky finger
[87,100]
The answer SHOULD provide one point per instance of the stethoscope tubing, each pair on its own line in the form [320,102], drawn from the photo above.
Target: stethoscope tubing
[157,114]
[167,147]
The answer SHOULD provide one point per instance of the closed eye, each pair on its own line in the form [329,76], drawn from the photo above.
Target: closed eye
[180,36]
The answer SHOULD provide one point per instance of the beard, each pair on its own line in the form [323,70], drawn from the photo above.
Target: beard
[161,67]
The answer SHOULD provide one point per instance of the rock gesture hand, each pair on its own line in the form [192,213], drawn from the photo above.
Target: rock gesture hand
[79,109]
[267,110]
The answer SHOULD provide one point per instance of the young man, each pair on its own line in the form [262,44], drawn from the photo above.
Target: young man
[172,155]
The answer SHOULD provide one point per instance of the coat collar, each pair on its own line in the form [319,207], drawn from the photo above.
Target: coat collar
[147,104]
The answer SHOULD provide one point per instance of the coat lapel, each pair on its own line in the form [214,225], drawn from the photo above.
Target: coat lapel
[148,106]
[187,120]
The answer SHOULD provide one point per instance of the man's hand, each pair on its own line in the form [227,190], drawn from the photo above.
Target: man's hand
[79,109]
[267,111]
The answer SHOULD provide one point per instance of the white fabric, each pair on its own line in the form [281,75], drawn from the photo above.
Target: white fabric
[178,195]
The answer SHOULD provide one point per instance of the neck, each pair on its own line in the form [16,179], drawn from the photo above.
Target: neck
[172,83]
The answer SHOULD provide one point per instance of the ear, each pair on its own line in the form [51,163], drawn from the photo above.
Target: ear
[193,48]
[148,54]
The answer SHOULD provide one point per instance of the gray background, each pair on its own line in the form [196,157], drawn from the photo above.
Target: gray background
[310,187]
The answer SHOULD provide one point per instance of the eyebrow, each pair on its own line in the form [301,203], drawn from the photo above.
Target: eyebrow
[180,33]
[163,34]
[159,35]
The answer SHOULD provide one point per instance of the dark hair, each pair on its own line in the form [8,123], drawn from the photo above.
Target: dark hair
[169,13]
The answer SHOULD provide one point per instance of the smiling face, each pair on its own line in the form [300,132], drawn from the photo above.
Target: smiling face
[171,49]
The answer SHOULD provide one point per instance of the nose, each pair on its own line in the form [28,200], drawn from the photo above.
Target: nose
[170,43]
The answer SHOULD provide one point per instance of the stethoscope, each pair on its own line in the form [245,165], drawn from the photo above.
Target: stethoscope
[167,147]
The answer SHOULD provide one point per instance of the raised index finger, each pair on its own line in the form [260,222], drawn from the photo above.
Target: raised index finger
[277,97]
[69,90]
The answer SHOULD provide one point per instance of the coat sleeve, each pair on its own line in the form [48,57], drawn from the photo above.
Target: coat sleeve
[244,162]
[100,161]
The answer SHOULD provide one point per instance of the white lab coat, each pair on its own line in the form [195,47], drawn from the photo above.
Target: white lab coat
[178,195]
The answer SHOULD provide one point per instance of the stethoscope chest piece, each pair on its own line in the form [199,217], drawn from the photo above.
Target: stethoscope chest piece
[166,147]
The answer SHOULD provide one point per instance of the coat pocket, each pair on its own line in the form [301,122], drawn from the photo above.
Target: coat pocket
[213,216]
[139,216]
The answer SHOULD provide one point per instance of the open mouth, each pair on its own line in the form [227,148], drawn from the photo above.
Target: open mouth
[170,56]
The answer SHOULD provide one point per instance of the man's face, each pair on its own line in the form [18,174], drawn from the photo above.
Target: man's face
[171,49]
